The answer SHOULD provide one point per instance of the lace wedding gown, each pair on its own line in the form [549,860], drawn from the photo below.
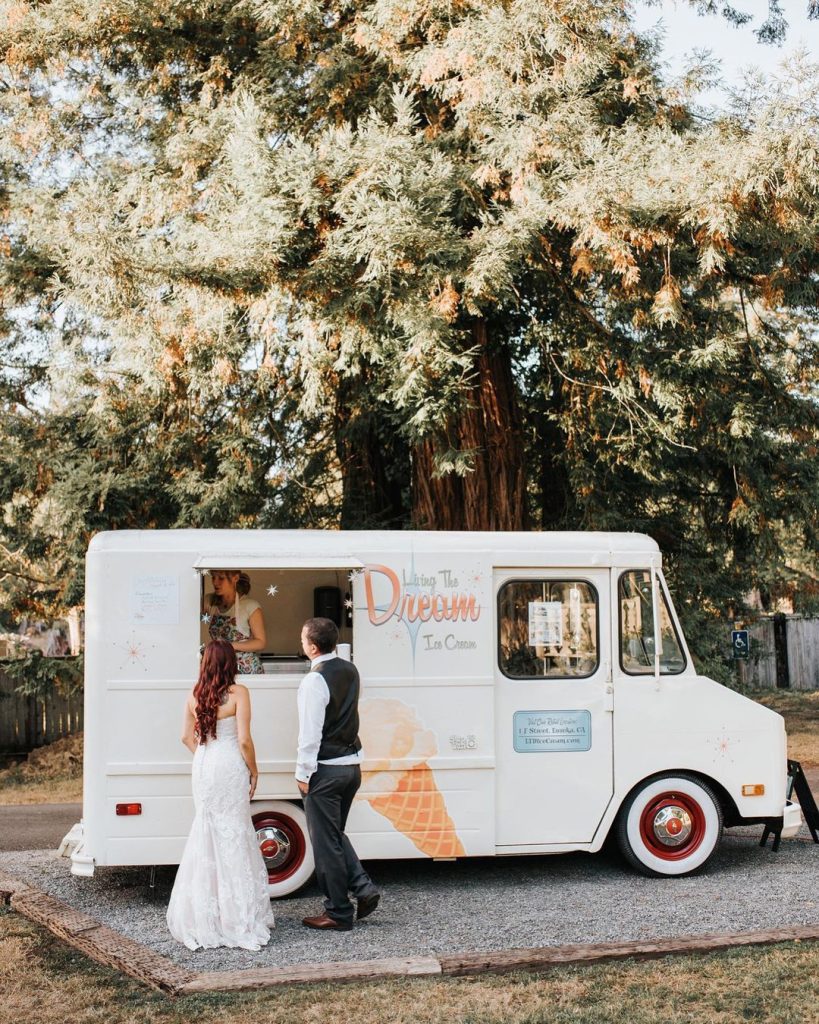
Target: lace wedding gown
[220,894]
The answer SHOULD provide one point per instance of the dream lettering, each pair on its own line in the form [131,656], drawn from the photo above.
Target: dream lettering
[421,607]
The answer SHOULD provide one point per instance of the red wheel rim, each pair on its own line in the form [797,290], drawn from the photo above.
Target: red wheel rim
[672,826]
[282,844]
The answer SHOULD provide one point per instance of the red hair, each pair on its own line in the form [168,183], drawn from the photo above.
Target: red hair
[217,674]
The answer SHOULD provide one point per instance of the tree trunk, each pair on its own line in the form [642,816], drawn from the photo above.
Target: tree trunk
[375,468]
[493,495]
[553,480]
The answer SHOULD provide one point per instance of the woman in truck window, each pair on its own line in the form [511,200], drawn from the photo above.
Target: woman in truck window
[232,615]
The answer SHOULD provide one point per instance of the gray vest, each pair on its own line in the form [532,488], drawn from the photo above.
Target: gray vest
[339,735]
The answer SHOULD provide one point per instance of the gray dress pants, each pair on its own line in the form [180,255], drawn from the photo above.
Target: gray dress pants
[338,869]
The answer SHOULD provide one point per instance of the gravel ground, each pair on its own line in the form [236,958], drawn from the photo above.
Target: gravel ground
[480,904]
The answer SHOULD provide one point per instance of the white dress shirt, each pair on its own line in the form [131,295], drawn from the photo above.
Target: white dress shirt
[313,698]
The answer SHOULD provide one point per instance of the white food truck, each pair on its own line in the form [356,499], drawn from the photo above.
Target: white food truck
[521,693]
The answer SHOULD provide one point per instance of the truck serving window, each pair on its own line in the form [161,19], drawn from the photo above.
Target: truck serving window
[269,607]
[547,629]
[637,628]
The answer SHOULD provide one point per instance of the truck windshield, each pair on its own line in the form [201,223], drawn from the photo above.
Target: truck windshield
[637,628]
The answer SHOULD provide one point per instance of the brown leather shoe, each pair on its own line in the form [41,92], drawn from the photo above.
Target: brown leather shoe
[326,923]
[367,904]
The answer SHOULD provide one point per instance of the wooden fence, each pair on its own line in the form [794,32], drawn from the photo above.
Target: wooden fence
[784,654]
[30,722]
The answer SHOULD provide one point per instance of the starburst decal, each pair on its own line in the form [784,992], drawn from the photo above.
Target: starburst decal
[348,603]
[206,617]
[724,745]
[272,591]
[135,652]
[206,572]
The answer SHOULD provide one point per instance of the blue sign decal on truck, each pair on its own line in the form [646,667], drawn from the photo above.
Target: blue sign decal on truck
[538,732]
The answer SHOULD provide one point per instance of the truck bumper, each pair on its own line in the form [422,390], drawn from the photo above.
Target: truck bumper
[791,820]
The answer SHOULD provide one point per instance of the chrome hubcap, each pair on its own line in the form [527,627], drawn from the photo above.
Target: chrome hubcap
[274,844]
[672,826]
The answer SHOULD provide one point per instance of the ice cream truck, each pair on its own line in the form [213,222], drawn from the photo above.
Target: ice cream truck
[521,693]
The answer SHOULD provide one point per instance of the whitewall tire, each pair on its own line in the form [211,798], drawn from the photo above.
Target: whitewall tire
[281,831]
[670,825]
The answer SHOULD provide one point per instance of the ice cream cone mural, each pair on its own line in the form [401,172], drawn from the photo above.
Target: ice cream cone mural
[408,797]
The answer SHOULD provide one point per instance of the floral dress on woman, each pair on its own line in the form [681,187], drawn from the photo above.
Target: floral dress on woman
[234,624]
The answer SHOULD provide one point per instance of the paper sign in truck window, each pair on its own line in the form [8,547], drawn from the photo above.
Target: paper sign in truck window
[545,624]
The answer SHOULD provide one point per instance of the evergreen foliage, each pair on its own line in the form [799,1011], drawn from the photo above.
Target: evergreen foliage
[277,263]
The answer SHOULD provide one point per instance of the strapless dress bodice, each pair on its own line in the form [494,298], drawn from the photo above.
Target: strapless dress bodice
[226,727]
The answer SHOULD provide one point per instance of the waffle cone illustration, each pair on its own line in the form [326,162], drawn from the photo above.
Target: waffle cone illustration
[417,809]
[408,798]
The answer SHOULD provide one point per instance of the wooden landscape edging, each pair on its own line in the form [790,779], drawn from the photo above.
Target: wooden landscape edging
[464,964]
[301,974]
[108,947]
[97,941]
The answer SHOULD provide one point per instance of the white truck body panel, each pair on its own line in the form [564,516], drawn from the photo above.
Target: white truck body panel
[440,721]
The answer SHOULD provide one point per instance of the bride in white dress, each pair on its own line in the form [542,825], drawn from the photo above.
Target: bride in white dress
[220,894]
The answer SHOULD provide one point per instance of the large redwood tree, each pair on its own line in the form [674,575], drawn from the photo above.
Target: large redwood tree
[376,262]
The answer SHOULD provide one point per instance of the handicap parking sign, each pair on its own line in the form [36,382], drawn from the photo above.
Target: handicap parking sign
[740,643]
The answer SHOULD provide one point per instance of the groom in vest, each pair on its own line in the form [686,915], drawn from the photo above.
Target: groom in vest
[328,773]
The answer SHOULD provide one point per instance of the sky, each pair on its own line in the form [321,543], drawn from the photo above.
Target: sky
[736,48]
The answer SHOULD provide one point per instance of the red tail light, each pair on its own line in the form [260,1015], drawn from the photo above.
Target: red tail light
[129,809]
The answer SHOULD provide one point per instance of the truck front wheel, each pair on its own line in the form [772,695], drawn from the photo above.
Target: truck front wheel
[281,831]
[669,825]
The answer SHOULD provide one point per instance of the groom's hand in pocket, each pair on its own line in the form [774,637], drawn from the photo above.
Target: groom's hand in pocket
[303,787]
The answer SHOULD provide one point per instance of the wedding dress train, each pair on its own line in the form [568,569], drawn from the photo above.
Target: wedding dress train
[220,894]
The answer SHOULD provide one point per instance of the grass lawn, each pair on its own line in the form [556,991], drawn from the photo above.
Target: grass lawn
[43,980]
[63,790]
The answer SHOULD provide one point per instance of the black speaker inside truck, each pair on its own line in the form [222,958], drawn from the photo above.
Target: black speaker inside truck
[327,603]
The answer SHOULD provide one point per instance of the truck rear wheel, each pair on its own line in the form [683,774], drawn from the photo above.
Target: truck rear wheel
[281,831]
[670,825]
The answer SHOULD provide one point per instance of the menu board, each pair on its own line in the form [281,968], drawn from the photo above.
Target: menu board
[155,600]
